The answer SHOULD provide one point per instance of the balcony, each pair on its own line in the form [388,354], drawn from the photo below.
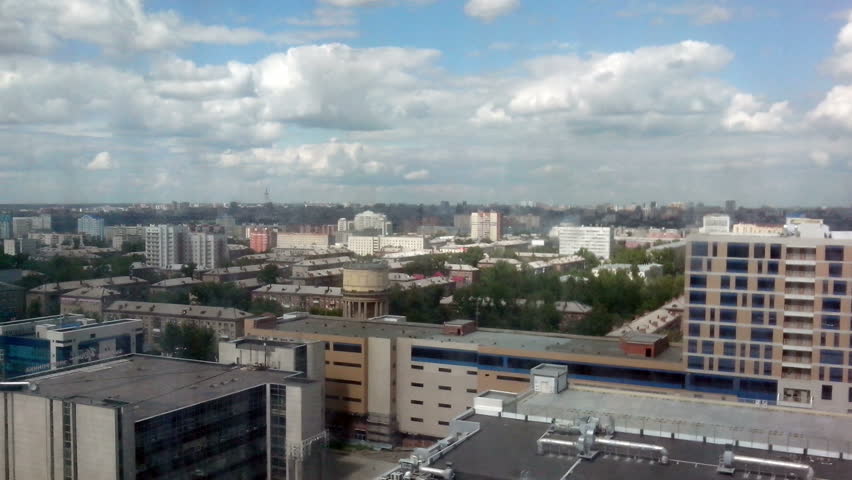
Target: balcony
[800,360]
[797,342]
[800,292]
[793,373]
[799,274]
[800,255]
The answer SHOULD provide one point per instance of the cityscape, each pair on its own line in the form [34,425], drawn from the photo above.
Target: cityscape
[425,240]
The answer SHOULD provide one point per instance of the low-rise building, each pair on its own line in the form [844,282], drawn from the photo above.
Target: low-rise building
[47,296]
[462,273]
[304,356]
[231,274]
[329,277]
[645,271]
[307,265]
[301,297]
[174,285]
[88,300]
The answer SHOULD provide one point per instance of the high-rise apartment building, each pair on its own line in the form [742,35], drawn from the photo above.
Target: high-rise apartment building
[771,312]
[91,226]
[42,222]
[21,226]
[165,245]
[368,220]
[372,244]
[261,239]
[486,225]
[5,226]
[207,250]
[598,240]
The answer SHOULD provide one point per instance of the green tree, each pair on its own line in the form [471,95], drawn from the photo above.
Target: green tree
[189,341]
[225,295]
[188,269]
[426,265]
[598,322]
[268,274]
[260,306]
[591,260]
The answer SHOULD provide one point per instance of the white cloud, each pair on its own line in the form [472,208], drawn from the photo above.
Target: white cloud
[820,158]
[488,114]
[488,10]
[840,63]
[702,14]
[501,46]
[354,3]
[746,114]
[325,17]
[323,160]
[421,174]
[836,108]
[102,161]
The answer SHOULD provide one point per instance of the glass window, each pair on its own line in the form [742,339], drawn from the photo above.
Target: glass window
[696,314]
[767,351]
[730,349]
[835,374]
[831,357]
[831,304]
[443,354]
[727,315]
[726,364]
[761,334]
[767,368]
[699,298]
[695,265]
[693,346]
[699,281]
[773,318]
[826,393]
[759,250]
[757,301]
[775,251]
[741,283]
[839,288]
[707,347]
[737,266]
[724,282]
[699,249]
[830,322]
[728,299]
[695,362]
[834,253]
[772,268]
[738,250]
[835,269]
[754,351]
[765,284]
[727,332]
[694,330]
[347,347]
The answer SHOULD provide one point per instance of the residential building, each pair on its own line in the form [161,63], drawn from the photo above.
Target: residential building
[363,245]
[463,274]
[42,222]
[774,312]
[47,296]
[301,297]
[90,226]
[309,265]
[755,229]
[377,244]
[262,239]
[644,271]
[327,277]
[521,223]
[207,250]
[486,225]
[344,225]
[302,240]
[12,302]
[462,223]
[716,223]
[6,226]
[88,301]
[165,245]
[56,240]
[232,274]
[372,221]
[127,231]
[145,417]
[598,240]
[14,246]
[227,323]
[21,226]
[48,343]
[174,285]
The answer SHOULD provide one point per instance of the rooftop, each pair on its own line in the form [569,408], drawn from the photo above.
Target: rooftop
[176,282]
[299,290]
[261,345]
[238,269]
[177,310]
[87,292]
[152,385]
[91,283]
[326,272]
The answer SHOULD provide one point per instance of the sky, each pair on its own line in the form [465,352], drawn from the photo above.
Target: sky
[419,101]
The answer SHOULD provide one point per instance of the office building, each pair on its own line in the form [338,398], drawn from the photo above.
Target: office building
[372,221]
[262,239]
[207,250]
[21,226]
[377,244]
[227,323]
[486,225]
[143,417]
[772,311]
[93,227]
[165,245]
[598,240]
[48,343]
[5,226]
[12,302]
[716,223]
[47,296]
[307,357]
[303,240]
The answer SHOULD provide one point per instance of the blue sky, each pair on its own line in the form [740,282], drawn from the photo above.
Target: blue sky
[578,102]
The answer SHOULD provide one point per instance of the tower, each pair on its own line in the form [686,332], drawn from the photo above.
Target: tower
[365,290]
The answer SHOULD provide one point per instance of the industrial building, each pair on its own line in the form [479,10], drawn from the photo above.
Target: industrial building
[144,417]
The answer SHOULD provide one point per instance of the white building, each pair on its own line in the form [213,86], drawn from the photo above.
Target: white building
[302,240]
[368,220]
[486,225]
[373,244]
[21,226]
[645,270]
[42,222]
[165,244]
[716,223]
[598,240]
[14,246]
[207,250]
[344,225]
[91,226]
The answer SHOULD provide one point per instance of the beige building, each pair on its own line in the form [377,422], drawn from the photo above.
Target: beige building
[301,297]
[755,229]
[303,240]
[48,295]
[486,225]
[88,301]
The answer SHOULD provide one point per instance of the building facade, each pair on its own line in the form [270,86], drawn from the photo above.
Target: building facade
[598,240]
[47,296]
[368,220]
[207,250]
[5,226]
[262,239]
[90,226]
[486,225]
[716,223]
[165,245]
[21,226]
[12,302]
[302,240]
[375,244]
[301,297]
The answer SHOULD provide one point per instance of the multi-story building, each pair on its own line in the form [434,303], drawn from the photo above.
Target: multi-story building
[227,323]
[303,240]
[165,245]
[207,250]
[598,240]
[301,297]
[755,229]
[232,274]
[42,222]
[146,417]
[716,223]
[55,240]
[262,239]
[88,301]
[308,265]
[12,298]
[462,223]
[774,311]
[47,296]
[5,226]
[14,246]
[486,225]
[306,357]
[363,244]
[90,226]
[368,220]
[374,244]
[48,343]
[124,231]
[174,285]
[21,226]
[527,222]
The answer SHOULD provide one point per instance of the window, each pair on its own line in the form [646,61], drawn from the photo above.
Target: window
[443,423]
[755,367]
[444,370]
[757,318]
[831,304]
[737,266]
[826,392]
[444,387]
[344,382]
[698,281]
[707,347]
[741,283]
[767,368]
[835,374]
[773,318]
[471,372]
[444,405]
[850,394]
[699,249]
[694,330]
[695,362]
[471,390]
[765,284]
[759,250]
[512,379]
[727,332]
[444,355]
[738,250]
[758,301]
[730,349]
[831,357]
[699,298]
[696,314]
[417,384]
[830,322]
[417,367]
[490,360]
[710,363]
[772,268]
[347,364]
[347,347]
[727,315]
[695,265]
[417,402]
[834,253]
[715,249]
[350,399]
[754,351]
[417,419]
[835,269]
[742,366]
[728,299]
[761,334]
[775,251]
[839,288]
[727,364]
[692,346]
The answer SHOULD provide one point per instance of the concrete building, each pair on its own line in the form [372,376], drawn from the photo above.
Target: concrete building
[262,239]
[6,226]
[365,290]
[486,225]
[463,274]
[15,246]
[93,227]
[139,416]
[227,323]
[378,244]
[644,271]
[521,223]
[42,222]
[174,285]
[462,223]
[716,223]
[597,240]
[301,297]
[327,277]
[165,245]
[372,221]
[755,229]
[48,343]
[771,313]
[56,240]
[303,240]
[88,301]
[48,295]
[232,274]
[127,231]
[307,357]
[304,266]
[12,302]
[21,226]
[207,250]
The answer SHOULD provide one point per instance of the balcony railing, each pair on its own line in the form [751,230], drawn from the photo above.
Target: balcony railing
[796,358]
[803,325]
[801,256]
[799,291]
[800,273]
[795,375]
[798,308]
[798,342]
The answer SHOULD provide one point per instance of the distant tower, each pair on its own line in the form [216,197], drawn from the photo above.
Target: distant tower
[365,290]
[266,196]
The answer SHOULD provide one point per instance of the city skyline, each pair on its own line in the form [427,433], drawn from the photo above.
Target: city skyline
[372,101]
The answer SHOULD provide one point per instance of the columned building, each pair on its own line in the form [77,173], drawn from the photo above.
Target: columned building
[365,290]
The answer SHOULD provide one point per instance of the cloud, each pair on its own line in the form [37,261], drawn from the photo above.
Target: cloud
[354,3]
[488,10]
[840,63]
[421,174]
[746,114]
[702,14]
[502,46]
[488,114]
[102,161]
[820,158]
[325,17]
[835,110]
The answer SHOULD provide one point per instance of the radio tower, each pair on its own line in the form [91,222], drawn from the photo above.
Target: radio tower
[266,196]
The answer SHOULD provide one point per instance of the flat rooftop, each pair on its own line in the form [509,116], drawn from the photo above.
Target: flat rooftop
[482,457]
[261,345]
[488,337]
[152,385]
